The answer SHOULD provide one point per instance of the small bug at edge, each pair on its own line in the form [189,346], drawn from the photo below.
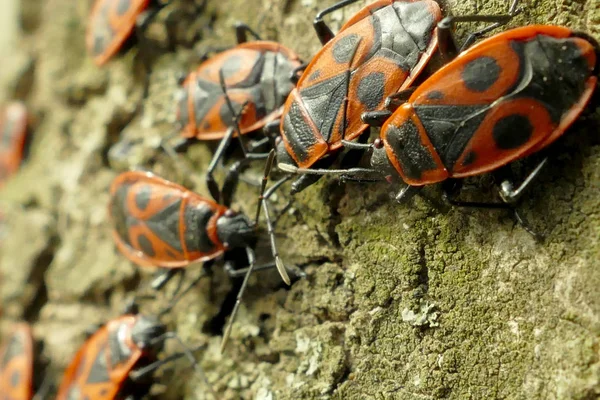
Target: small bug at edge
[16,365]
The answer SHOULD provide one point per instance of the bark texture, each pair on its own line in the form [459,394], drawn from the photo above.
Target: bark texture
[417,301]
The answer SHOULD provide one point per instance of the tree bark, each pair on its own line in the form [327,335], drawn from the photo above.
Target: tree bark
[415,301]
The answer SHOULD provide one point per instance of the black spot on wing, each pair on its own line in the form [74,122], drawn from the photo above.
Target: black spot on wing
[469,159]
[512,132]
[143,196]
[15,348]
[146,245]
[314,75]
[99,371]
[343,48]
[435,95]
[370,90]
[481,73]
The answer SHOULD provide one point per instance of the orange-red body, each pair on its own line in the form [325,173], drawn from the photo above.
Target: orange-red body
[257,74]
[13,135]
[160,223]
[507,97]
[379,51]
[111,24]
[100,369]
[16,365]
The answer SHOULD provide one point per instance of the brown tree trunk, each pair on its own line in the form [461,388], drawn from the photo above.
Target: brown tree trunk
[417,301]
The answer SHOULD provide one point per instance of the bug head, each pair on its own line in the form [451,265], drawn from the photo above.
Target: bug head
[147,332]
[235,229]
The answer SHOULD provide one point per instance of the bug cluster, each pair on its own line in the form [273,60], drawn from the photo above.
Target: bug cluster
[445,112]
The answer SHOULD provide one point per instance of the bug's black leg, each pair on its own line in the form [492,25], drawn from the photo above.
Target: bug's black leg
[257,144]
[163,276]
[241,32]
[211,183]
[297,73]
[233,176]
[407,193]
[511,195]
[323,31]
[527,226]
[395,100]
[446,42]
[143,373]
[179,294]
[451,188]
[375,118]
[207,52]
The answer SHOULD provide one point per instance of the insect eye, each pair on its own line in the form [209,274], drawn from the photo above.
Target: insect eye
[378,143]
[230,213]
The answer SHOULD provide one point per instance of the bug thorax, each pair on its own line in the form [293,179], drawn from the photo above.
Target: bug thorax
[145,331]
[380,161]
[235,229]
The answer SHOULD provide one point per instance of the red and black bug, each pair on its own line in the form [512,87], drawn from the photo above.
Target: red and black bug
[159,223]
[503,99]
[112,23]
[118,360]
[256,75]
[16,365]
[377,53]
[13,137]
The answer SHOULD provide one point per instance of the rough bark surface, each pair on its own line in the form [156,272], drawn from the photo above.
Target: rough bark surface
[417,301]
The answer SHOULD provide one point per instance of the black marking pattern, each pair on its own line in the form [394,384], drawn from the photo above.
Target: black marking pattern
[103,33]
[99,371]
[323,102]
[481,73]
[343,48]
[469,159]
[164,223]
[14,348]
[267,84]
[512,132]
[553,72]
[146,245]
[370,90]
[450,128]
[15,378]
[298,133]
[408,149]
[402,31]
[143,197]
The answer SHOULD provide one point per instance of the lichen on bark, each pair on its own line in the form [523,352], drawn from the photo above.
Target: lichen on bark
[415,301]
